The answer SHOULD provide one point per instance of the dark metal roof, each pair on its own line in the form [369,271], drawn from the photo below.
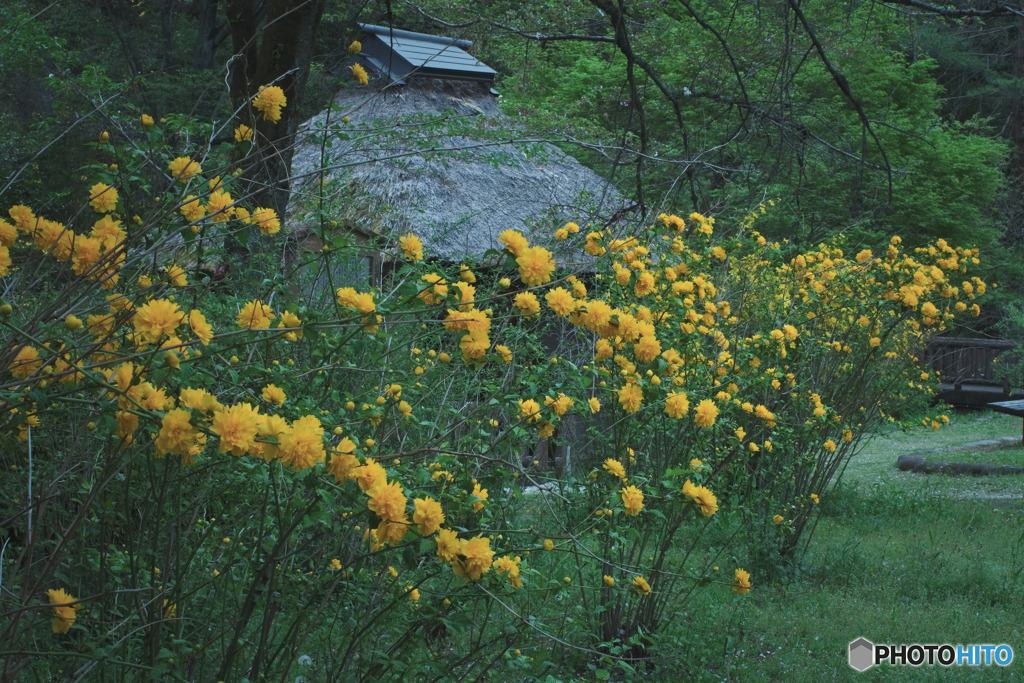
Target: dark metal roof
[398,54]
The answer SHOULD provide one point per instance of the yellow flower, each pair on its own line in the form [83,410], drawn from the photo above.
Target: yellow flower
[529,410]
[390,531]
[255,315]
[447,545]
[428,516]
[437,289]
[177,435]
[814,498]
[560,301]
[355,47]
[615,467]
[107,232]
[701,496]
[647,349]
[102,198]
[412,247]
[509,564]
[200,328]
[595,405]
[343,462]
[192,209]
[474,559]
[25,363]
[676,405]
[609,581]
[560,405]
[641,586]
[289,321]
[266,219]
[65,612]
[777,519]
[370,474]
[549,544]
[243,133]
[176,276]
[388,500]
[219,206]
[705,414]
[198,399]
[741,582]
[236,426]
[536,264]
[506,353]
[696,465]
[632,500]
[147,120]
[514,242]
[8,233]
[183,168]
[481,495]
[359,73]
[527,303]
[360,301]
[405,409]
[630,397]
[274,394]
[644,284]
[830,446]
[269,101]
[127,423]
[156,318]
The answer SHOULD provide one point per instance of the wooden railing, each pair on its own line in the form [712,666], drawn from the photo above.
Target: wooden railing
[966,361]
[967,369]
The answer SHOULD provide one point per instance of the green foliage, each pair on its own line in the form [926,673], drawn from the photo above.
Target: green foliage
[275,526]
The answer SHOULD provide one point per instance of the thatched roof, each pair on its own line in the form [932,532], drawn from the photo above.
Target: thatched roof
[426,156]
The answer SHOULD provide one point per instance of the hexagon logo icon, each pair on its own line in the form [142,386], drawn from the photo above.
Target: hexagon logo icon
[862,654]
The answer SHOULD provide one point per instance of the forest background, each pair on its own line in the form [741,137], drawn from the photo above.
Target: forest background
[867,118]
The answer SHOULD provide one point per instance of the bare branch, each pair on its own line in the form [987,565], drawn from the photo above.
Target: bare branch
[844,86]
[952,13]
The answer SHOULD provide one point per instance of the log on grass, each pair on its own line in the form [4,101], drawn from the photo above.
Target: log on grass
[915,463]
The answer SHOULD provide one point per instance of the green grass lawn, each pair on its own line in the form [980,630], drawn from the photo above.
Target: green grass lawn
[897,558]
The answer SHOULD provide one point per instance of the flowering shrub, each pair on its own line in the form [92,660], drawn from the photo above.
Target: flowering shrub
[228,480]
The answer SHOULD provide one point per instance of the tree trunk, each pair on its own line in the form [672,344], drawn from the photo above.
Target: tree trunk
[277,52]
[206,32]
[167,61]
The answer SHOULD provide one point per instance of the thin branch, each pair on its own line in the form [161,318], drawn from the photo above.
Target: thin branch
[844,86]
[30,19]
[953,13]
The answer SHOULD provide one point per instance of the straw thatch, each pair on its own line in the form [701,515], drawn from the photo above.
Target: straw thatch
[427,156]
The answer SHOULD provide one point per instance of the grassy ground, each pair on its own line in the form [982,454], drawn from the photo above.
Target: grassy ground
[897,558]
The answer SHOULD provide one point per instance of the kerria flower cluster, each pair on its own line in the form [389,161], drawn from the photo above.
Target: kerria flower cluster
[269,101]
[97,254]
[359,73]
[65,608]
[704,498]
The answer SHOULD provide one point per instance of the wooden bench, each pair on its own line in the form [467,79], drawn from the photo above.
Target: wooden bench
[1010,408]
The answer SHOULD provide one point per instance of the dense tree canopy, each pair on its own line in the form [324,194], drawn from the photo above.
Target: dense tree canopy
[868,118]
